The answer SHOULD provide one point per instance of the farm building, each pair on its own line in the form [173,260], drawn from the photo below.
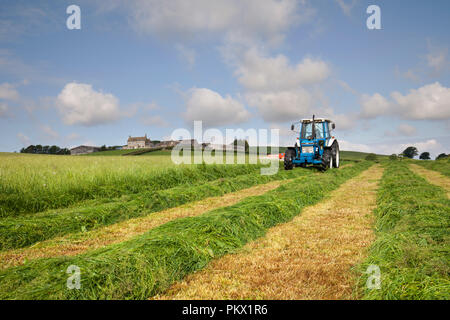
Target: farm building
[167,144]
[173,143]
[83,150]
[192,142]
[138,143]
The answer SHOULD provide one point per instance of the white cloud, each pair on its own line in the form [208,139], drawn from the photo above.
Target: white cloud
[347,87]
[373,106]
[213,109]
[406,129]
[402,130]
[49,132]
[73,136]
[184,19]
[79,104]
[281,106]
[8,92]
[346,6]
[350,146]
[274,86]
[257,72]
[186,54]
[430,102]
[409,74]
[431,145]
[343,121]
[157,121]
[437,60]
[24,139]
[4,110]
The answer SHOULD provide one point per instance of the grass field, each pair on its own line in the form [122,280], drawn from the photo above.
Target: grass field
[121,221]
[442,166]
[412,248]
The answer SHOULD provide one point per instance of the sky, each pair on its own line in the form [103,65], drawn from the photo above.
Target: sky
[140,67]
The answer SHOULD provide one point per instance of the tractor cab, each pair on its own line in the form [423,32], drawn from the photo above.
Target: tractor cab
[315,145]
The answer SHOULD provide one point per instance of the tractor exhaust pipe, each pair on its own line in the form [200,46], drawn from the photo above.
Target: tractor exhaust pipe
[313,128]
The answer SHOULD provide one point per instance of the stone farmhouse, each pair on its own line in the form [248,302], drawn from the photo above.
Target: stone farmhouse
[138,143]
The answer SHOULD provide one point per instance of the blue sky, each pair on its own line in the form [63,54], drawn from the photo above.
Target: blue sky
[139,67]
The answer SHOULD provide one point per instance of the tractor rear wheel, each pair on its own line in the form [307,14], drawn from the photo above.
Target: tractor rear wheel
[336,154]
[288,158]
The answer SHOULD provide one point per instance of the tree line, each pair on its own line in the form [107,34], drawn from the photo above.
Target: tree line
[39,149]
[412,152]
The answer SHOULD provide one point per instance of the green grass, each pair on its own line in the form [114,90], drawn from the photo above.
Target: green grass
[17,232]
[442,166]
[109,153]
[345,155]
[148,264]
[34,183]
[412,248]
[355,155]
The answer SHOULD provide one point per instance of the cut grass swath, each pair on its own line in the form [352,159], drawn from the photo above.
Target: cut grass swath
[412,248]
[21,194]
[19,232]
[442,166]
[148,264]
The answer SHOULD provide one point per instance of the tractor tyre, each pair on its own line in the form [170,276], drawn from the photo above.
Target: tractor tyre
[288,158]
[336,154]
[327,159]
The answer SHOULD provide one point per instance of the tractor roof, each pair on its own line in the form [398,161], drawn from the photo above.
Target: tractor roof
[317,119]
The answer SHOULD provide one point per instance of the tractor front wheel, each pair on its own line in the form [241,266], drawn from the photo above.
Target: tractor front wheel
[288,158]
[327,159]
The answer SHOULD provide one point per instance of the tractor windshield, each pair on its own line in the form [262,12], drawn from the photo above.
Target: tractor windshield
[307,130]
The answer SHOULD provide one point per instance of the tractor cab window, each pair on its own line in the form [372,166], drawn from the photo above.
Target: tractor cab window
[307,130]
[319,130]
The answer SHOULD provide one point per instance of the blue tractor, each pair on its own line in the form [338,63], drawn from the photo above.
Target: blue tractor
[314,146]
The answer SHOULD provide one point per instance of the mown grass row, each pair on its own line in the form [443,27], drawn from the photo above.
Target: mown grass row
[412,248]
[51,193]
[442,166]
[148,264]
[18,232]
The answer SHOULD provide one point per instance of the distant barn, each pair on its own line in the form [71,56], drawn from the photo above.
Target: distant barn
[83,150]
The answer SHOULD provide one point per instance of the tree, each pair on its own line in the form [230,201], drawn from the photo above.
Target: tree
[237,142]
[410,152]
[424,156]
[44,150]
[30,149]
[393,157]
[441,156]
[371,157]
[53,150]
